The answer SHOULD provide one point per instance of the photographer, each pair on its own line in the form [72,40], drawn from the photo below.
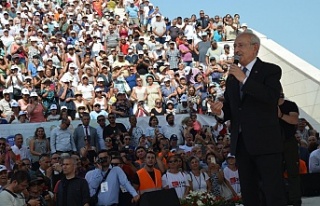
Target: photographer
[104,182]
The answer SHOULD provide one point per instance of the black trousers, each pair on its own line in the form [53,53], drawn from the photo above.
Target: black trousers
[291,165]
[260,173]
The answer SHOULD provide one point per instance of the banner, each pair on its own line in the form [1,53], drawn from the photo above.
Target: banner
[28,129]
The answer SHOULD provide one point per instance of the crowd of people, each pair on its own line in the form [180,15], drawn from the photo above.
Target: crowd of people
[80,60]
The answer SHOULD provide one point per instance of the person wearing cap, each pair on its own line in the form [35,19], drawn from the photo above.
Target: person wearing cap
[53,115]
[202,47]
[159,29]
[86,89]
[120,61]
[183,106]
[231,174]
[13,193]
[131,57]
[5,105]
[33,65]
[35,109]
[168,91]
[214,51]
[14,82]
[15,112]
[170,108]
[48,93]
[24,101]
[3,177]
[100,98]
[66,96]
[97,111]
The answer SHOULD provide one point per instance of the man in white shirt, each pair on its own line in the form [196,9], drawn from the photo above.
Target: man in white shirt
[172,128]
[21,152]
[159,29]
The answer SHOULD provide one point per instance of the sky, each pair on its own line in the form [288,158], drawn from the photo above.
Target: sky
[291,23]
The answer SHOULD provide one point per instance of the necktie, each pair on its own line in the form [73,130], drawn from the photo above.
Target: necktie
[244,70]
[87,133]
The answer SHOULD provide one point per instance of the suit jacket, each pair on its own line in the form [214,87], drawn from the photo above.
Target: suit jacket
[255,115]
[79,135]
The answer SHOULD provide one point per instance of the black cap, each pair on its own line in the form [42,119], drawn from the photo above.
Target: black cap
[173,137]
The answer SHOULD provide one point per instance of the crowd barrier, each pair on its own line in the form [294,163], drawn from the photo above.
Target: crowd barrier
[28,129]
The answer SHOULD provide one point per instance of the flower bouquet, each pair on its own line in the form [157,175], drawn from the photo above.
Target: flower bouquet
[202,198]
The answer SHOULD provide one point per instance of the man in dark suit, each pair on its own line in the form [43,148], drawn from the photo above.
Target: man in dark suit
[251,99]
[84,133]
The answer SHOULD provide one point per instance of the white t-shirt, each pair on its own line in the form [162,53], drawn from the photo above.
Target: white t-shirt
[233,178]
[159,27]
[86,91]
[8,199]
[198,182]
[178,181]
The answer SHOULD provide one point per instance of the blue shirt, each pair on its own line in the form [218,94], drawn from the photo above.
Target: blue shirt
[116,177]
[132,11]
[33,69]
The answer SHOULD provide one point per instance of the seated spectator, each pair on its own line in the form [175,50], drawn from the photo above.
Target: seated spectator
[15,115]
[48,94]
[100,99]
[53,115]
[97,111]
[231,175]
[122,107]
[5,108]
[158,109]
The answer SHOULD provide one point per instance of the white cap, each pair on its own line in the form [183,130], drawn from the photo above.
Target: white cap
[98,89]
[3,168]
[22,113]
[187,69]
[28,77]
[14,104]
[230,156]
[168,38]
[53,106]
[33,94]
[40,68]
[244,24]
[140,52]
[70,46]
[184,98]
[72,65]
[169,102]
[100,79]
[64,107]
[25,91]
[6,91]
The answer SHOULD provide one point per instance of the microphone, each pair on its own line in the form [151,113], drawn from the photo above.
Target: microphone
[236,59]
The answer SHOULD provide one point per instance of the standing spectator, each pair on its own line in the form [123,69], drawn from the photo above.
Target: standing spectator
[231,174]
[38,145]
[105,181]
[6,154]
[72,190]
[213,52]
[173,56]
[198,180]
[153,91]
[148,178]
[101,120]
[202,47]
[174,178]
[134,131]
[61,139]
[18,184]
[21,151]
[35,109]
[97,111]
[45,170]
[66,96]
[159,29]
[14,83]
[171,128]
[133,13]
[203,21]
[231,30]
[85,133]
[186,51]
[288,114]
[114,129]
[314,161]
[3,177]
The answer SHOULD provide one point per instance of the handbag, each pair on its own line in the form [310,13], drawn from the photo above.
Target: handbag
[94,199]
[126,87]
[16,92]
[225,191]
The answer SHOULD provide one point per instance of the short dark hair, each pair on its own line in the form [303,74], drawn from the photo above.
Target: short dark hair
[20,176]
[169,115]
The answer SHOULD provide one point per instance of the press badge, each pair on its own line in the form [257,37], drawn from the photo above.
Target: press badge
[104,187]
[123,189]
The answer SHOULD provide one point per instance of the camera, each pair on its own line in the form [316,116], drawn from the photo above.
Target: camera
[102,160]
